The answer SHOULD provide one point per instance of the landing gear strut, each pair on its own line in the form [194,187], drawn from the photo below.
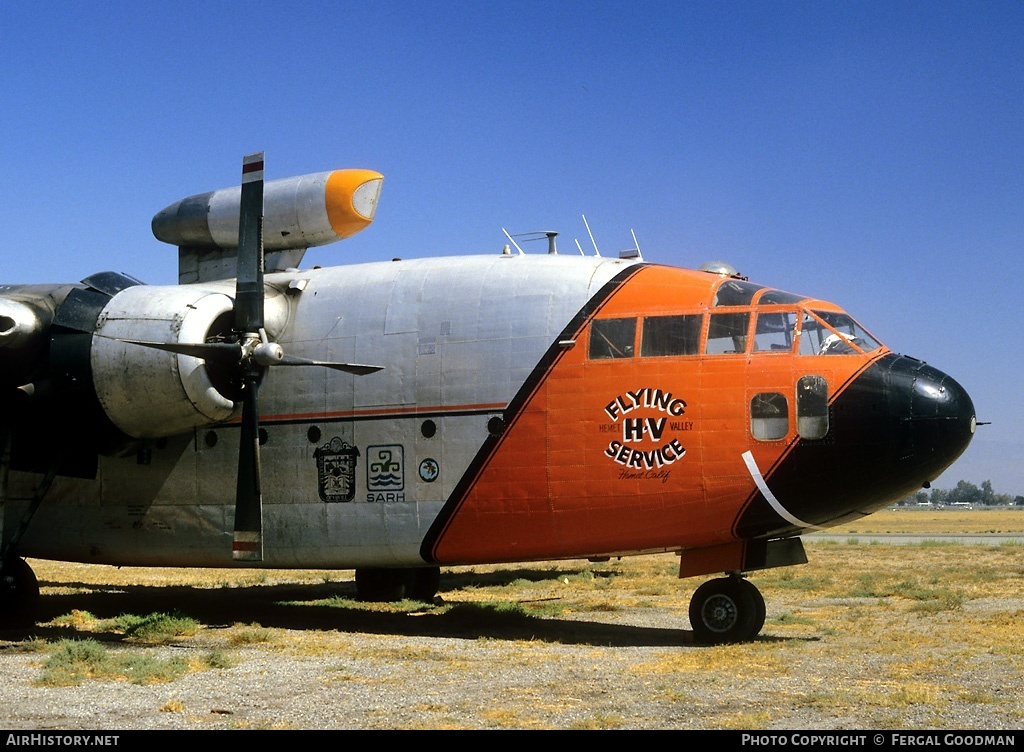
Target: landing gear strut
[386,585]
[729,609]
[19,589]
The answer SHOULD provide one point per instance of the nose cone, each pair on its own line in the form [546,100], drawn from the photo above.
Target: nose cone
[937,411]
[898,426]
[894,429]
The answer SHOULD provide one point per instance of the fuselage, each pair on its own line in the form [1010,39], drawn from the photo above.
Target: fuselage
[529,408]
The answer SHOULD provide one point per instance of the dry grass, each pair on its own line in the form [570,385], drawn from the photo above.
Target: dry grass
[938,521]
[864,635]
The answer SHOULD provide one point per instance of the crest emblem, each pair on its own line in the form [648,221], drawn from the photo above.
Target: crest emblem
[336,470]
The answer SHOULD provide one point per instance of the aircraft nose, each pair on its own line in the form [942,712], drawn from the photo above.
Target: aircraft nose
[894,429]
[936,413]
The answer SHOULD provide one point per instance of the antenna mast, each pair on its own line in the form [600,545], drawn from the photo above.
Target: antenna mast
[513,242]
[596,252]
[639,253]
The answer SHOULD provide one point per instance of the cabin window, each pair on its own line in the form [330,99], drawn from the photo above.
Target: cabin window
[769,416]
[727,333]
[671,335]
[612,338]
[774,332]
[812,407]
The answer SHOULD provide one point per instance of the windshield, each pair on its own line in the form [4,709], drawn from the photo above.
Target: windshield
[830,333]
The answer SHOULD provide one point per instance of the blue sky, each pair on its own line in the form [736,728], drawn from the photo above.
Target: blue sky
[869,153]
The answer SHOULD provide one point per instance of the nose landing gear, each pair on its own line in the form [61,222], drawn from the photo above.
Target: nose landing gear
[728,609]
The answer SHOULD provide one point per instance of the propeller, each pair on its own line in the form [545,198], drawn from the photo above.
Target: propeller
[254,352]
[251,354]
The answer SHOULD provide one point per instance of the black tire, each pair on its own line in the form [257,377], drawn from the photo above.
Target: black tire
[19,595]
[723,610]
[428,580]
[761,610]
[375,585]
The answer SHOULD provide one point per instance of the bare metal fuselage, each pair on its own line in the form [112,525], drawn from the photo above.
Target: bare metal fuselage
[457,337]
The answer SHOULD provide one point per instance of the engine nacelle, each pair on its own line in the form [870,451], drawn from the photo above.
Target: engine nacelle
[19,324]
[299,213]
[149,393]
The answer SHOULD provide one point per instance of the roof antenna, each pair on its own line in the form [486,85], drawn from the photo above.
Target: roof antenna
[513,242]
[596,252]
[580,247]
[539,235]
[551,242]
[639,253]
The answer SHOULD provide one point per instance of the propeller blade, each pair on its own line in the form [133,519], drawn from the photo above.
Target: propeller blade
[248,540]
[249,282]
[249,313]
[357,368]
[227,352]
[231,352]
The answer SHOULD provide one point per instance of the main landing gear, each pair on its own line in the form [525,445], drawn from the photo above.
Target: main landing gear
[729,609]
[19,594]
[386,585]
[19,589]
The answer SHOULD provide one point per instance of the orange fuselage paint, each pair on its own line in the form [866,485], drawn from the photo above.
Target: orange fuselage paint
[631,454]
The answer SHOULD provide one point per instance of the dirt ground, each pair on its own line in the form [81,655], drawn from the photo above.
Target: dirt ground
[591,646]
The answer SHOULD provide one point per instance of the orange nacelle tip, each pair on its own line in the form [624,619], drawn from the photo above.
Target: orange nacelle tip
[351,197]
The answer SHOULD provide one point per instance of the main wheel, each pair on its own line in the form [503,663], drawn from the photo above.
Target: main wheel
[384,585]
[428,580]
[759,606]
[724,610]
[19,594]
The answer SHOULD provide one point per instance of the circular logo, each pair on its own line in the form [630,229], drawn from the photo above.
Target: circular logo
[429,470]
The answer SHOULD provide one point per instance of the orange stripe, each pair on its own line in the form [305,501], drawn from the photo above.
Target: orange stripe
[381,412]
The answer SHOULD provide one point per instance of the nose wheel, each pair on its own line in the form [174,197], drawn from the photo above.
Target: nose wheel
[729,609]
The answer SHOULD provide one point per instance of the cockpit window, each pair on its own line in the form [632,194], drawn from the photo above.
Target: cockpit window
[774,332]
[778,297]
[727,333]
[735,292]
[671,335]
[612,338]
[841,336]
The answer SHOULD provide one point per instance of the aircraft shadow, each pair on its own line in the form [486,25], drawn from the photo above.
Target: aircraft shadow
[303,607]
[502,577]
